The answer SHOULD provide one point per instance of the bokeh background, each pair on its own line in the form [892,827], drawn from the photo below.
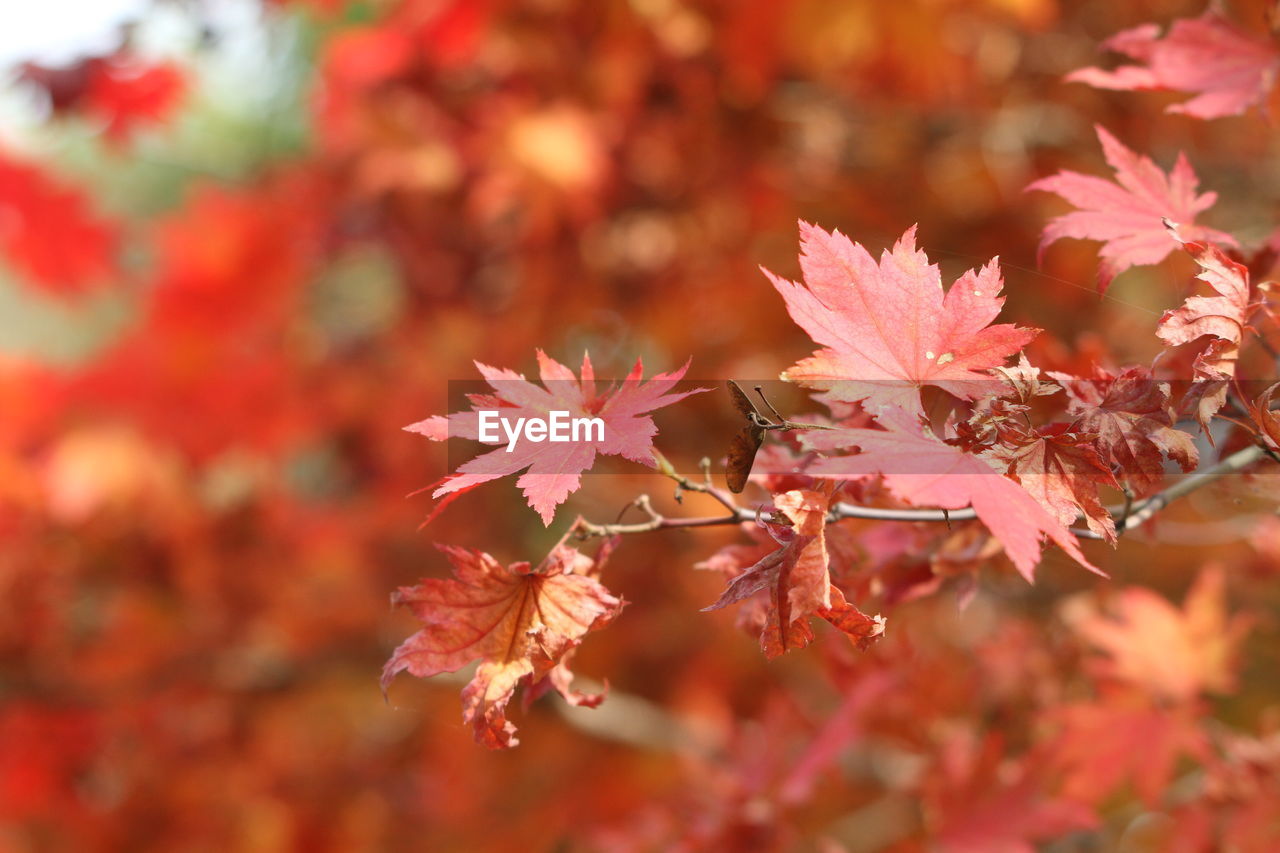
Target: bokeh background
[243,244]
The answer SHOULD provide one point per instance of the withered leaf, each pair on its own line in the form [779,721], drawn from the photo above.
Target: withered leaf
[742,452]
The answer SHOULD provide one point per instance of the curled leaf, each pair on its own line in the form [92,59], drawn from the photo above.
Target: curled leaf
[742,452]
[797,579]
[1221,318]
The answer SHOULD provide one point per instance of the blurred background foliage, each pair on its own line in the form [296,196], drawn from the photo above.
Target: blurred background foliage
[242,245]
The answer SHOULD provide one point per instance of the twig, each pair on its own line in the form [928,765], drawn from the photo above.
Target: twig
[1145,510]
[684,484]
[584,529]
[1131,513]
[759,389]
[1123,520]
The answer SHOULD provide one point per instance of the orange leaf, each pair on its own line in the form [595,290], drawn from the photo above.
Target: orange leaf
[520,621]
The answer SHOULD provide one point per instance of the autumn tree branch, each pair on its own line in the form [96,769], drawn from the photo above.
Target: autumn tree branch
[1128,515]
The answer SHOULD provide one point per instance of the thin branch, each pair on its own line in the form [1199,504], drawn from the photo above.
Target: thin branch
[1145,510]
[760,391]
[684,484]
[584,529]
[1131,514]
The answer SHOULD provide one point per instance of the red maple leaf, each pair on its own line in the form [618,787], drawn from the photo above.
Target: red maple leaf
[923,471]
[1131,415]
[520,621]
[1227,69]
[1222,318]
[1093,747]
[1063,470]
[979,800]
[50,233]
[128,94]
[367,56]
[888,329]
[1128,216]
[554,469]
[797,579]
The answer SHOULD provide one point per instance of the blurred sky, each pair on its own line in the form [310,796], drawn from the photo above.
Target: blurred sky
[239,58]
[57,31]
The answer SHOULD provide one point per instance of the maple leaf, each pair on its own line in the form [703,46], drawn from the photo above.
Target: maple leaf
[1132,417]
[1128,216]
[889,329]
[1222,318]
[1172,654]
[1228,70]
[923,471]
[796,576]
[520,621]
[979,800]
[554,469]
[50,233]
[128,94]
[1062,470]
[1093,746]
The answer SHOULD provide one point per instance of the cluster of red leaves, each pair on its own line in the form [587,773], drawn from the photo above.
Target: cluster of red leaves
[216,332]
[890,330]
[121,93]
[50,233]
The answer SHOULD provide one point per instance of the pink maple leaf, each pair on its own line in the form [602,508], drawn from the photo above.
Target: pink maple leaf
[923,471]
[889,329]
[1128,216]
[552,469]
[1228,70]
